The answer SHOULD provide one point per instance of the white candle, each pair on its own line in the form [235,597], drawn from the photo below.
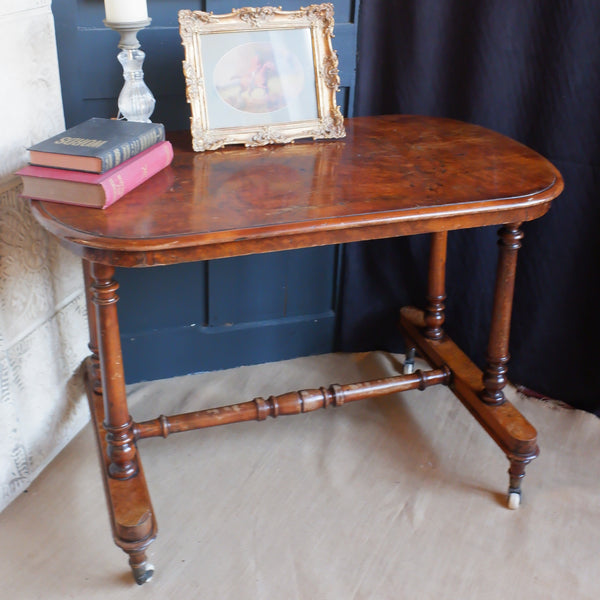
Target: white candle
[125,11]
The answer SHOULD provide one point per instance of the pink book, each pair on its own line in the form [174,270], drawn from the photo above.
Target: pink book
[91,189]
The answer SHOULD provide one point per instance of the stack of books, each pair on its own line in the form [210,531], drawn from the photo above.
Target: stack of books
[96,162]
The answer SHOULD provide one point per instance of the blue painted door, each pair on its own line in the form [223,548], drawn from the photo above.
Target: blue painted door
[215,314]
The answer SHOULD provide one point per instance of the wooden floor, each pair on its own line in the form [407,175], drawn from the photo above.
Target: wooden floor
[399,497]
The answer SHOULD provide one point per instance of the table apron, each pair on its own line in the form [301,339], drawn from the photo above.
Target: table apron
[163,254]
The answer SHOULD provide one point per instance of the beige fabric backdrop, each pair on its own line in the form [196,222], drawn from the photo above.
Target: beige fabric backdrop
[42,322]
[396,498]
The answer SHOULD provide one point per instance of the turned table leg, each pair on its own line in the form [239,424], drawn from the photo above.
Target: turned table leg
[94,359]
[117,422]
[436,294]
[130,509]
[494,376]
[436,289]
[481,392]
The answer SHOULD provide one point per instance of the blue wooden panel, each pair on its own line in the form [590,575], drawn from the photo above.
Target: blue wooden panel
[344,9]
[144,306]
[202,316]
[163,70]
[272,286]
[344,44]
[164,12]
[94,83]
[179,351]
[185,318]
[90,13]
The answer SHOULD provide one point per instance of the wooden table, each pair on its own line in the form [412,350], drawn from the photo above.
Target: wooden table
[391,176]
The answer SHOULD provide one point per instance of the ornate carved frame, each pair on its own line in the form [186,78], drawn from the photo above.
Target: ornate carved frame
[318,18]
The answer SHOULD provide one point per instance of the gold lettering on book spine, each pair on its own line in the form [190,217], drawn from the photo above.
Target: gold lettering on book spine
[75,141]
[117,184]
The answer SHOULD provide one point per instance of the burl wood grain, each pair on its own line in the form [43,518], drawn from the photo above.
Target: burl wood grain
[393,175]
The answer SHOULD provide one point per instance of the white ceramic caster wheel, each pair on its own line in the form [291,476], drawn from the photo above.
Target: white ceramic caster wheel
[514,500]
[408,368]
[143,573]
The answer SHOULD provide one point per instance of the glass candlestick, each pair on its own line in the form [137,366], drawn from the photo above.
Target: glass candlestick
[136,102]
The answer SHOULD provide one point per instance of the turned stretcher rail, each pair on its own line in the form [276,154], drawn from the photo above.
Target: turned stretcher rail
[291,403]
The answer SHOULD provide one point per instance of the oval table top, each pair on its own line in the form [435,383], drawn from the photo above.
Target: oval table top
[390,175]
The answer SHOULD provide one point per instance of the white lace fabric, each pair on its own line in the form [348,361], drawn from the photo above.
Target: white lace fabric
[43,340]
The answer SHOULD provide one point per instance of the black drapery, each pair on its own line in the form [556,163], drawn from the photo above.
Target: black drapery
[529,69]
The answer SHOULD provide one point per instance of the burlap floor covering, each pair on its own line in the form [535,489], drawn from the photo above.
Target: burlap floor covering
[401,497]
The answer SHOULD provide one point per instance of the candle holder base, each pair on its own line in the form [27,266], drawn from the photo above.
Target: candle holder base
[128,32]
[136,102]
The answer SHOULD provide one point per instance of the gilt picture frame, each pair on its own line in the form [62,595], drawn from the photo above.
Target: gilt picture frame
[259,76]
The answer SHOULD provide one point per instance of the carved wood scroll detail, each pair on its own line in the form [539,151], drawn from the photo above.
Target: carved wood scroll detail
[256,16]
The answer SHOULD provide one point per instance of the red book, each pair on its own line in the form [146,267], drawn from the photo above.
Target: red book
[91,189]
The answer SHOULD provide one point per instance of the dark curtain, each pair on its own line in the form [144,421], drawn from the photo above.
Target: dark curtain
[529,69]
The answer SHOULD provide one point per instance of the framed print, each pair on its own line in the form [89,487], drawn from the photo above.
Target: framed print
[259,76]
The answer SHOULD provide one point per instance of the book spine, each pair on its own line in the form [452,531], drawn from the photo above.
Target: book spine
[129,177]
[130,148]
